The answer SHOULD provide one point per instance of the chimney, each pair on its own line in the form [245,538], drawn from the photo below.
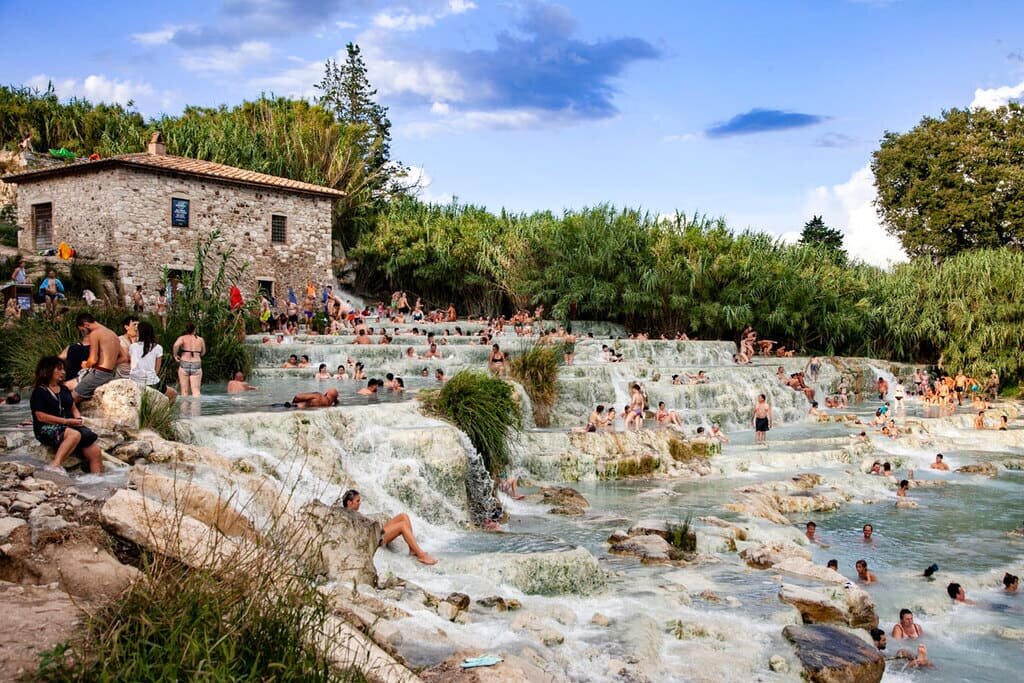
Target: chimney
[156,145]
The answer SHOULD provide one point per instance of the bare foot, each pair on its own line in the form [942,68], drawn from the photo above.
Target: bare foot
[518,496]
[426,559]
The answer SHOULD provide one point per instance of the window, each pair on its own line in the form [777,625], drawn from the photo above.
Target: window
[278,229]
[266,288]
[179,212]
[42,225]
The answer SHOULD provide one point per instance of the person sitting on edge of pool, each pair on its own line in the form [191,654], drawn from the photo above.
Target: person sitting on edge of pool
[399,525]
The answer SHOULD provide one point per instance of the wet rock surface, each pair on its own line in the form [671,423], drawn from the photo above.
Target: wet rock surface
[833,655]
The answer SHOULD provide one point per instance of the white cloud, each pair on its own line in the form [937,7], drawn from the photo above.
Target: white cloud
[850,207]
[345,25]
[227,60]
[404,20]
[440,108]
[299,81]
[685,137]
[993,98]
[95,88]
[418,178]
[161,37]
[507,119]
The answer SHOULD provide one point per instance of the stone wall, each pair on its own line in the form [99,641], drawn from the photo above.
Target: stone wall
[122,216]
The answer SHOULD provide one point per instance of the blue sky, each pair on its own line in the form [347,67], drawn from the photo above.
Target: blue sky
[763,112]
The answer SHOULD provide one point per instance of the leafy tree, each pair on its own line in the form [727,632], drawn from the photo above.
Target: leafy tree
[347,93]
[954,183]
[815,232]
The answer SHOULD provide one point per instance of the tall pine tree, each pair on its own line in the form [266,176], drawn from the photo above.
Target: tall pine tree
[815,232]
[347,93]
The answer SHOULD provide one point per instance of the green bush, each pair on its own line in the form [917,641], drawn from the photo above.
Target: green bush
[175,624]
[682,536]
[484,408]
[537,370]
[158,416]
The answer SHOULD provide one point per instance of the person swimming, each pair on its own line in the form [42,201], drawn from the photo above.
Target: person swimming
[906,628]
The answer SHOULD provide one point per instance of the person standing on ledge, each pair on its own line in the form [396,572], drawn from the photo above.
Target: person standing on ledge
[762,420]
[189,350]
[399,525]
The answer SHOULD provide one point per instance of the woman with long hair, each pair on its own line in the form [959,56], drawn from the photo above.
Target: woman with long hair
[146,359]
[56,421]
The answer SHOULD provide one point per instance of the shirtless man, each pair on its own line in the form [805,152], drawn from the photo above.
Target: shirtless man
[432,352]
[292,362]
[979,420]
[883,388]
[189,350]
[362,337]
[762,420]
[939,463]
[863,574]
[370,389]
[451,313]
[105,353]
[906,628]
[960,386]
[399,525]
[665,417]
[312,399]
[717,433]
[238,384]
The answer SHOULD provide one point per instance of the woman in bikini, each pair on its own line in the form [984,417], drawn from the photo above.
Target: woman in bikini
[496,361]
[906,628]
[189,350]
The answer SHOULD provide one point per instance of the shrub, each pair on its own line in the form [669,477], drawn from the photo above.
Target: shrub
[682,536]
[484,408]
[248,623]
[537,370]
[159,416]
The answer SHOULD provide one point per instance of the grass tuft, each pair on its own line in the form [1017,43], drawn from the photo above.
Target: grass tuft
[484,408]
[160,416]
[537,370]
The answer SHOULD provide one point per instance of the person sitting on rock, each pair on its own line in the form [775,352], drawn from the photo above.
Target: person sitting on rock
[400,525]
[56,421]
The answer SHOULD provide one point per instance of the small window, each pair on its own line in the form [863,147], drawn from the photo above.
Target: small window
[278,229]
[266,288]
[179,212]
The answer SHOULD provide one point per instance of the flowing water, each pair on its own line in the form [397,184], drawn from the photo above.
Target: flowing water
[717,620]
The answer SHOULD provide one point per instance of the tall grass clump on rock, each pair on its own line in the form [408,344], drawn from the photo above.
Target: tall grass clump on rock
[181,624]
[158,415]
[537,370]
[484,408]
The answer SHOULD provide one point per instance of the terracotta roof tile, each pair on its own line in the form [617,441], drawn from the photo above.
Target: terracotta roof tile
[176,164]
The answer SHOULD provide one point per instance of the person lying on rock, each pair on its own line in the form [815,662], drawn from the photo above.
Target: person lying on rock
[399,525]
[312,399]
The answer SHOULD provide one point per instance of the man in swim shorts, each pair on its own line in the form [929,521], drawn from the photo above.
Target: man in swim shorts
[105,354]
[762,420]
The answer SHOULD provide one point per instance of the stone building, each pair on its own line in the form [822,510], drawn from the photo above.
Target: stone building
[144,213]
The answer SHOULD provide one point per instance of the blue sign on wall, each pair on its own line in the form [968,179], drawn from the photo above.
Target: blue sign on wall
[179,212]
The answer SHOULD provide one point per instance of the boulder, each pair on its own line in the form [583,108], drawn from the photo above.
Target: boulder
[986,468]
[850,605]
[209,507]
[551,573]
[833,655]
[802,567]
[162,529]
[130,451]
[765,555]
[562,496]
[499,604]
[8,525]
[340,543]
[650,526]
[116,403]
[807,480]
[650,548]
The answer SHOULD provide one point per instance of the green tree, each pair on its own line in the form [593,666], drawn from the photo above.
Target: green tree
[815,232]
[954,183]
[347,93]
